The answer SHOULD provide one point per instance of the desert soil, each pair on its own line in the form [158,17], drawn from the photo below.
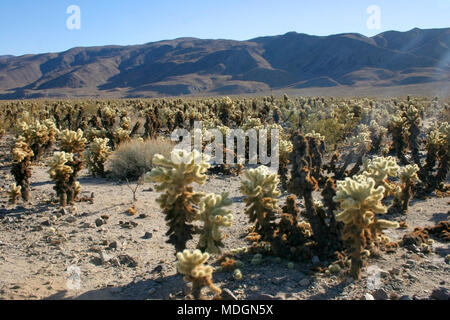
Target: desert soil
[42,247]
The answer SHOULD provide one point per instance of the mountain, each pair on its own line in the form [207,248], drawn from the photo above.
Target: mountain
[190,66]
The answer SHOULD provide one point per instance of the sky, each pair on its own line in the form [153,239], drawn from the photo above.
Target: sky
[30,26]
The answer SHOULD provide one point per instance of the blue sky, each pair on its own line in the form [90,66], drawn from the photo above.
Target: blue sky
[37,26]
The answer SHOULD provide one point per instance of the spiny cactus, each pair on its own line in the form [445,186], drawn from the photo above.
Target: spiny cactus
[60,172]
[407,175]
[39,136]
[291,235]
[380,169]
[21,168]
[14,193]
[285,150]
[360,200]
[74,143]
[213,214]
[260,189]
[397,129]
[191,265]
[96,155]
[175,175]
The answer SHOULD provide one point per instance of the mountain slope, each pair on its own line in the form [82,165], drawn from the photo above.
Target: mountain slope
[196,66]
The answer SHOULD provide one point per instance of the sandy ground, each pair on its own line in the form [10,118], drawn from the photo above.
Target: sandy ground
[43,249]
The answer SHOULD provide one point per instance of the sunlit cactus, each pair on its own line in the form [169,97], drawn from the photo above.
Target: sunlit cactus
[14,193]
[261,199]
[360,200]
[72,141]
[285,150]
[96,155]
[174,176]
[408,176]
[60,172]
[191,264]
[213,215]
[380,169]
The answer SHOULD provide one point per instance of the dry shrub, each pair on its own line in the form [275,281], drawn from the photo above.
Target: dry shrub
[133,158]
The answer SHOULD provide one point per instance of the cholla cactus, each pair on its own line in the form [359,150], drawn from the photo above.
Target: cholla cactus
[398,129]
[380,169]
[377,134]
[285,150]
[438,155]
[60,172]
[96,155]
[291,235]
[14,192]
[39,136]
[72,141]
[21,168]
[191,265]
[213,215]
[360,200]
[260,189]
[408,175]
[121,135]
[175,176]
[412,120]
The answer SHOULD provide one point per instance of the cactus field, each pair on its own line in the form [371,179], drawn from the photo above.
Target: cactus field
[98,202]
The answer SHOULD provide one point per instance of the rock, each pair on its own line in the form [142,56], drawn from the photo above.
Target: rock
[384,274]
[128,224]
[368,296]
[113,245]
[99,222]
[125,259]
[304,282]
[315,260]
[142,216]
[440,294]
[380,294]
[71,219]
[46,223]
[151,291]
[395,271]
[63,211]
[147,235]
[87,225]
[405,297]
[105,257]
[228,295]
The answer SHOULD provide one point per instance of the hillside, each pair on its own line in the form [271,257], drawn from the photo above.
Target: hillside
[190,66]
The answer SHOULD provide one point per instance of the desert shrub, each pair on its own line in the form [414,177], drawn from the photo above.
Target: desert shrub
[135,157]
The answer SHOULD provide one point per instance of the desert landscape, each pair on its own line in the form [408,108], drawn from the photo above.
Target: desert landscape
[94,206]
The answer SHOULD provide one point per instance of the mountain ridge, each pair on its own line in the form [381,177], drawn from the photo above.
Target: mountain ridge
[192,66]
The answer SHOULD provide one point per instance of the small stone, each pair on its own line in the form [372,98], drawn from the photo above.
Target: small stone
[368,296]
[395,271]
[384,274]
[405,297]
[113,245]
[105,257]
[99,222]
[151,291]
[142,216]
[71,219]
[147,235]
[304,282]
[380,294]
[440,294]
[46,223]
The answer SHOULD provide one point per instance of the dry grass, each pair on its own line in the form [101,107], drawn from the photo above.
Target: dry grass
[134,158]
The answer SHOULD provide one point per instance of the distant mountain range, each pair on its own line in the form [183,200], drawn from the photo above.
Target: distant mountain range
[205,67]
